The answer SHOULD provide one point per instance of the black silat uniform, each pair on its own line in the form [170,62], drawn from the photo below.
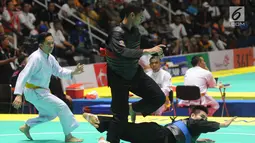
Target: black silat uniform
[124,74]
[151,132]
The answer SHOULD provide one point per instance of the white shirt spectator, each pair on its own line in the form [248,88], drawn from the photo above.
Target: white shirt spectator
[199,77]
[216,46]
[27,19]
[178,30]
[65,11]
[57,36]
[6,16]
[146,15]
[214,11]
[228,24]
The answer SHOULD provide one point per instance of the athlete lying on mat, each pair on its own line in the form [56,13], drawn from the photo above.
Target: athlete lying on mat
[180,131]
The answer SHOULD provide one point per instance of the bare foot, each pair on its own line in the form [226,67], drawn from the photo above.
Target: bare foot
[132,113]
[92,119]
[25,129]
[102,140]
[72,139]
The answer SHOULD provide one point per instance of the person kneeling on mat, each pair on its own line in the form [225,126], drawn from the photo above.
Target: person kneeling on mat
[181,131]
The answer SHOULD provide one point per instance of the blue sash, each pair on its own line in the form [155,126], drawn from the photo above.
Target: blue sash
[184,129]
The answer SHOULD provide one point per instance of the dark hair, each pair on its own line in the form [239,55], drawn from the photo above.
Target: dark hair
[133,6]
[42,36]
[196,109]
[195,60]
[3,37]
[155,57]
[7,2]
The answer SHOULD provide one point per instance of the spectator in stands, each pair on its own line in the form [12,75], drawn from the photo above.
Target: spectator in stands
[64,49]
[214,10]
[112,13]
[185,46]
[179,30]
[81,40]
[163,79]
[7,59]
[200,76]
[195,48]
[193,8]
[88,13]
[1,29]
[189,24]
[66,12]
[48,16]
[27,20]
[204,19]
[205,44]
[216,43]
[244,36]
[228,26]
[164,28]
[10,18]
[170,44]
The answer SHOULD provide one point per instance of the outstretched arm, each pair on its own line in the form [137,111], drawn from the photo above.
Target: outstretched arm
[221,125]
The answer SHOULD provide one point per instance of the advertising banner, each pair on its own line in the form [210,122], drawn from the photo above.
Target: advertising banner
[243,57]
[177,60]
[254,56]
[221,60]
[88,77]
[204,55]
[101,74]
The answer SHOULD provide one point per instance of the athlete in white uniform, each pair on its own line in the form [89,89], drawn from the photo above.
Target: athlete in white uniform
[200,76]
[34,81]
[163,79]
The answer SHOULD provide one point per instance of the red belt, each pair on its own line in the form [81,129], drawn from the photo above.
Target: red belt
[104,52]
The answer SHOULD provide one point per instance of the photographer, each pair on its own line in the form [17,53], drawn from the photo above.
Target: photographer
[7,60]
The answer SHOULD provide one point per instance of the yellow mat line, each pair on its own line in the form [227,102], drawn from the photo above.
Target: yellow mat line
[158,119]
[222,73]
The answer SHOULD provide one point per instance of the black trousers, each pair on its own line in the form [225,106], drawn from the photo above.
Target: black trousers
[140,133]
[141,85]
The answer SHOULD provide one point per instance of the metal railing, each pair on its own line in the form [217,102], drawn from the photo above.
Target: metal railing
[90,27]
[169,9]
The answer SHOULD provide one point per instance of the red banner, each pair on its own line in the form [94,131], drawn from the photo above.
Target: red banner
[101,74]
[243,57]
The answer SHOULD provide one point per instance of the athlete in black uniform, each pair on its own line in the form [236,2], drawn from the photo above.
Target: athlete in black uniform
[124,73]
[181,131]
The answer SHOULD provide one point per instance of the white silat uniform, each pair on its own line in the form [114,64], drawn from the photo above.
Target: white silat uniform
[34,81]
[144,62]
[203,79]
[163,79]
